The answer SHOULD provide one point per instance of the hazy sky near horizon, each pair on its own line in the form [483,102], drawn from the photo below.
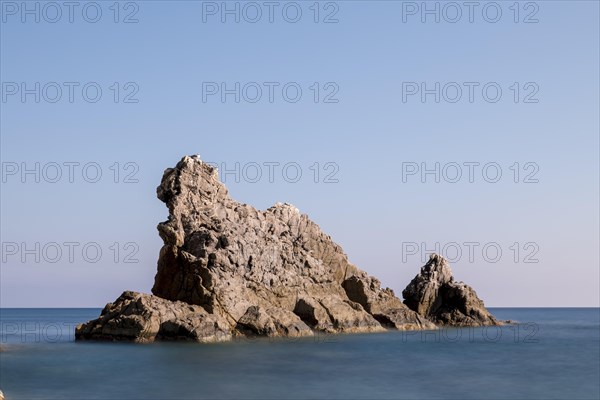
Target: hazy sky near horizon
[516,208]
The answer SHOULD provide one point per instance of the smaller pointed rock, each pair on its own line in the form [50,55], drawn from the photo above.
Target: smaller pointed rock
[435,295]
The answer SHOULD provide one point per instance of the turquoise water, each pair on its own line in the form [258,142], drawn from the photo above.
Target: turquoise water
[551,354]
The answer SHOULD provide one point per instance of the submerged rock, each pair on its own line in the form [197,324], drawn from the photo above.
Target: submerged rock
[434,294]
[228,269]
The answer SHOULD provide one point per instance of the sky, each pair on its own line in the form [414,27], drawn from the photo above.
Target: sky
[401,128]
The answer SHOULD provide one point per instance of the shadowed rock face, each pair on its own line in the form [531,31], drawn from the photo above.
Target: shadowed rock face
[228,269]
[435,295]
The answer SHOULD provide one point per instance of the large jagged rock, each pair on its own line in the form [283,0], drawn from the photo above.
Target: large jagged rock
[227,269]
[434,294]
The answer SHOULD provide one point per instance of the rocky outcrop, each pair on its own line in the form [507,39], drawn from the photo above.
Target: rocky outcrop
[145,318]
[435,295]
[228,269]
[382,304]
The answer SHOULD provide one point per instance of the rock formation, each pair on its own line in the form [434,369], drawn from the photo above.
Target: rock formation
[228,269]
[435,295]
[145,318]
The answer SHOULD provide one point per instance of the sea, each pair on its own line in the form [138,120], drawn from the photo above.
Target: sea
[549,353]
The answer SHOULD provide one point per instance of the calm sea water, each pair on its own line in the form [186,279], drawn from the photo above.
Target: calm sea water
[551,354]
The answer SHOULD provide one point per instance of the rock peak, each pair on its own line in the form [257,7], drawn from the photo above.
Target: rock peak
[437,269]
[434,294]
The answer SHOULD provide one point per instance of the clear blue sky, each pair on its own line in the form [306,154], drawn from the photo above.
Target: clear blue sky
[370,135]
